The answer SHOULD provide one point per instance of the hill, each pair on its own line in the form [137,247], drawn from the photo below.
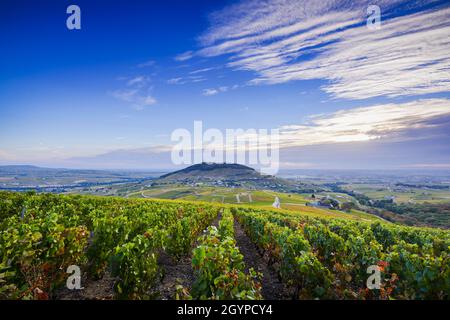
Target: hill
[215,171]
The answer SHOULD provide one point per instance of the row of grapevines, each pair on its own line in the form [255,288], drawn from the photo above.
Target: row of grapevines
[386,234]
[339,257]
[298,266]
[417,269]
[220,268]
[110,232]
[11,204]
[415,262]
[36,254]
[135,263]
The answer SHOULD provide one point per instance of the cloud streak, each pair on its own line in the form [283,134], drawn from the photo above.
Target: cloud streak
[384,121]
[288,40]
[138,100]
[145,64]
[213,91]
[314,140]
[184,80]
[137,92]
[184,56]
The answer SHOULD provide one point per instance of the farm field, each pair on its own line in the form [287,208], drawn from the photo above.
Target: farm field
[256,198]
[403,194]
[175,249]
[219,195]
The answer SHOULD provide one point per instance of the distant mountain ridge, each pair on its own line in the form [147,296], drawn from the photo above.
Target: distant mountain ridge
[29,177]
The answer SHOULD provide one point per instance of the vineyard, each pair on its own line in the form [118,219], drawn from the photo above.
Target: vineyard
[128,240]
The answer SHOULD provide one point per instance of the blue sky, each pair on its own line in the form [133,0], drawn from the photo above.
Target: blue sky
[109,95]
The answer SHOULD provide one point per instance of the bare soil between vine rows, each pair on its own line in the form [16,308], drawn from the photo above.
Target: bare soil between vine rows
[272,288]
[102,289]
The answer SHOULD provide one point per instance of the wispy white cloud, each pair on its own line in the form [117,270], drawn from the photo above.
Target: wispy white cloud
[210,92]
[184,80]
[125,94]
[383,122]
[214,91]
[366,123]
[184,56]
[148,63]
[137,92]
[196,78]
[178,80]
[286,40]
[429,166]
[138,81]
[138,99]
[201,70]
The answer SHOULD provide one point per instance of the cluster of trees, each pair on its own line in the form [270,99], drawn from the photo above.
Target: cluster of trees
[430,186]
[335,205]
[413,214]
[426,214]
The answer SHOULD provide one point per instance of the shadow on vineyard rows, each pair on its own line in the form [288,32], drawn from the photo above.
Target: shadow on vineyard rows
[272,288]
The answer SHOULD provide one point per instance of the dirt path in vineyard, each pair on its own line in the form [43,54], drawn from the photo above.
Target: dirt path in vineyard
[177,272]
[101,289]
[272,288]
